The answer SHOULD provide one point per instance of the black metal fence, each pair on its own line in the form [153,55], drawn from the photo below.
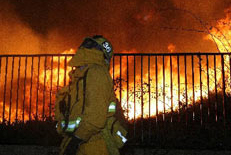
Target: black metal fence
[153,88]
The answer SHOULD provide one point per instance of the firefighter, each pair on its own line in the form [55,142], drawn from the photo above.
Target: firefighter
[85,107]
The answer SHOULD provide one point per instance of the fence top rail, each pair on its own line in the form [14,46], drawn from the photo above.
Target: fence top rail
[168,54]
[117,54]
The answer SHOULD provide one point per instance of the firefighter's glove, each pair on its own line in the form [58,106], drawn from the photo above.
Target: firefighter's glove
[73,146]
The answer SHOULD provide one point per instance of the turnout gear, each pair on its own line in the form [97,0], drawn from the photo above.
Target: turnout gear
[86,108]
[68,111]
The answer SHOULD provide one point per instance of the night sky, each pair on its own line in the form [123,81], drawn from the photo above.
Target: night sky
[53,26]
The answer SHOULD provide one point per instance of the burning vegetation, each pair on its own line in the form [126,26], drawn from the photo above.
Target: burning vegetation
[146,85]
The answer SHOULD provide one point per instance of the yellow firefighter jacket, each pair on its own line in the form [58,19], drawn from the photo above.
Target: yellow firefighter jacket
[99,94]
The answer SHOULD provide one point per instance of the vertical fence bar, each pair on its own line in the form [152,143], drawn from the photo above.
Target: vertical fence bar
[178,80]
[36,113]
[51,85]
[127,85]
[207,64]
[113,71]
[229,77]
[65,70]
[134,97]
[156,91]
[24,93]
[0,74]
[193,87]
[186,90]
[19,68]
[44,87]
[163,89]
[201,102]
[58,72]
[0,68]
[149,100]
[142,103]
[171,87]
[229,70]
[4,99]
[120,80]
[11,87]
[223,89]
[31,83]
[215,79]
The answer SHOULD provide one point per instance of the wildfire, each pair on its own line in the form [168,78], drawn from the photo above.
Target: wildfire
[141,91]
[222,36]
[221,33]
[38,82]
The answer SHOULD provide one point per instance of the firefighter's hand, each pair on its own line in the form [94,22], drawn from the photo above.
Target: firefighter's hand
[73,146]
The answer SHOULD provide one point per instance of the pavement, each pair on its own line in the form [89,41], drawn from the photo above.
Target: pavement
[51,150]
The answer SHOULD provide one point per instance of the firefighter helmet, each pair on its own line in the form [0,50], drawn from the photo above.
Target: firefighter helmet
[100,43]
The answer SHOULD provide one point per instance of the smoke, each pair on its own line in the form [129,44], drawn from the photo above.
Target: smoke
[15,36]
[42,26]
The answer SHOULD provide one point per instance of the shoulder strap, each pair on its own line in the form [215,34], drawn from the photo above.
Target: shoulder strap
[84,89]
[112,126]
[66,116]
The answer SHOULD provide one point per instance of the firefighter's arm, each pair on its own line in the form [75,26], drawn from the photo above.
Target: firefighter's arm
[59,96]
[96,106]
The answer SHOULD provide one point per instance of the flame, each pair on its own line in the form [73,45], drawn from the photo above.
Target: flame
[221,33]
[171,47]
[133,110]
[45,95]
[222,36]
[58,77]
[58,70]
[146,107]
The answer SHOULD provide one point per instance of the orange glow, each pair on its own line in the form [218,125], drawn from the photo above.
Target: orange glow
[133,110]
[222,37]
[222,33]
[32,95]
[171,48]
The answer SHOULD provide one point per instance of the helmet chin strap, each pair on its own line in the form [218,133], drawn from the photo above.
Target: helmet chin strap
[107,61]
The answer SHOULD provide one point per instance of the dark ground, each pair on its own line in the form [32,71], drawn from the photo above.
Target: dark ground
[182,136]
[42,150]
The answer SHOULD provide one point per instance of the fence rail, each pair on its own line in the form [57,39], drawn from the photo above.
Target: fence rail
[152,87]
